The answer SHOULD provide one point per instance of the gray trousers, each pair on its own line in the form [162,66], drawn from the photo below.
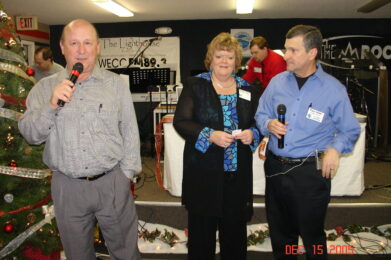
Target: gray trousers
[78,202]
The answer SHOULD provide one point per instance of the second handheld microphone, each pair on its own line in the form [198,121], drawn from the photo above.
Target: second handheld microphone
[281,110]
[76,71]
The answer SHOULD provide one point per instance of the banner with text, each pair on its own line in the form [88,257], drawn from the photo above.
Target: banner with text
[141,52]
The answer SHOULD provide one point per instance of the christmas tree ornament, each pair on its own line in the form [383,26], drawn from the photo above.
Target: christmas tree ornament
[30,71]
[8,227]
[3,16]
[12,42]
[31,218]
[9,198]
[28,150]
[13,163]
[9,140]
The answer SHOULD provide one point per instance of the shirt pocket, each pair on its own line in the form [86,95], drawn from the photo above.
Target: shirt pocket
[104,118]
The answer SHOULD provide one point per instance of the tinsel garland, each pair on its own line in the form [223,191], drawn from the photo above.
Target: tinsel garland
[15,243]
[10,114]
[25,172]
[12,56]
[16,70]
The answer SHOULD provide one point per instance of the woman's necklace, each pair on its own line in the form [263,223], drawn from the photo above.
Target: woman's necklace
[221,86]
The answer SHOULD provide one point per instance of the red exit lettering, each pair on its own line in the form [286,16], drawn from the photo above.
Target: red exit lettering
[26,22]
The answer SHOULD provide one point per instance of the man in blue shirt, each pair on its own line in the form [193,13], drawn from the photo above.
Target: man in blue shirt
[319,117]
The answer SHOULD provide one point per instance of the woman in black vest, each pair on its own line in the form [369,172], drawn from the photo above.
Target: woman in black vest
[215,116]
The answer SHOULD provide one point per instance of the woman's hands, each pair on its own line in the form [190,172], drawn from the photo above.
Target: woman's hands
[221,138]
[224,139]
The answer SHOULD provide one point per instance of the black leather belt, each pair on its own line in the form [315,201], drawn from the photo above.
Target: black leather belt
[93,178]
[290,160]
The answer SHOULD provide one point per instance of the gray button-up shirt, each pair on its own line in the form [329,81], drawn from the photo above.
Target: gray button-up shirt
[54,69]
[91,134]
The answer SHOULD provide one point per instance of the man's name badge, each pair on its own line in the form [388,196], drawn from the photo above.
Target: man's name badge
[258,69]
[315,115]
[245,94]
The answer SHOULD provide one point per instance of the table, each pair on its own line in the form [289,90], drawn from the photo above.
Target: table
[349,179]
[162,108]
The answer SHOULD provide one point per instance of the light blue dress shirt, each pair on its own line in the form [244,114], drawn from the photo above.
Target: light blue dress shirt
[338,128]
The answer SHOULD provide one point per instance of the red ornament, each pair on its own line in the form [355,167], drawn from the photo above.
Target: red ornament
[30,71]
[8,227]
[13,163]
[340,230]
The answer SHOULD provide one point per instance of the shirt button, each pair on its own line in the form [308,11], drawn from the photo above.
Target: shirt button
[84,150]
[298,99]
[86,168]
[81,99]
[82,133]
[294,114]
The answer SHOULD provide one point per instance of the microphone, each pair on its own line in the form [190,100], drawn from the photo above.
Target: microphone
[281,110]
[76,70]
[155,39]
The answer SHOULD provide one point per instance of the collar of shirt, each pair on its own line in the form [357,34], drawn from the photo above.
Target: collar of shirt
[319,74]
[96,74]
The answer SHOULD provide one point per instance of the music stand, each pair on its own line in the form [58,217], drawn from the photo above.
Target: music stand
[141,80]
[145,80]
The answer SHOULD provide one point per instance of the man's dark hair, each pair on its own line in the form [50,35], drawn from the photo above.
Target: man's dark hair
[46,52]
[260,42]
[312,37]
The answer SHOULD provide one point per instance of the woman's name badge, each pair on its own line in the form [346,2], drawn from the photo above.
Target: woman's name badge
[315,115]
[245,94]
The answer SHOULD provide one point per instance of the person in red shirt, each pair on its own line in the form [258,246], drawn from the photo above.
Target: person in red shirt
[264,64]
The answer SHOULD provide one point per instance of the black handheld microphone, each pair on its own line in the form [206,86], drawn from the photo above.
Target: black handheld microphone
[76,71]
[281,110]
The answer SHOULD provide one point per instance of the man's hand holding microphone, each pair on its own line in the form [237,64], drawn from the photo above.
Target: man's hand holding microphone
[63,92]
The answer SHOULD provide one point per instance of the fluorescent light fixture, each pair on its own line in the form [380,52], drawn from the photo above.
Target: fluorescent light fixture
[244,6]
[113,7]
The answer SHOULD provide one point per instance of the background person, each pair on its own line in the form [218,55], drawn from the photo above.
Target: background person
[44,64]
[92,146]
[264,64]
[319,117]
[215,116]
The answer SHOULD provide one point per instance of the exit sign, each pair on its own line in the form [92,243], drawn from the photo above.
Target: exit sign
[24,23]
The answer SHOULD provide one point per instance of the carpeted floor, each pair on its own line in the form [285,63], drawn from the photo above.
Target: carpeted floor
[377,174]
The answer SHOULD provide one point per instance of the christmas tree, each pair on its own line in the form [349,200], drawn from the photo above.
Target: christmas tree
[25,211]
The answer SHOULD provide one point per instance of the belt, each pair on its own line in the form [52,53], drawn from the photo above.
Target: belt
[290,160]
[93,178]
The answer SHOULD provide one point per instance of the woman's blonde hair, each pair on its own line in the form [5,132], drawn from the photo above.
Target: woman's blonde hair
[224,42]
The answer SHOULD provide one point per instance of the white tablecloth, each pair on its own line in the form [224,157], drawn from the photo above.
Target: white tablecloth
[349,180]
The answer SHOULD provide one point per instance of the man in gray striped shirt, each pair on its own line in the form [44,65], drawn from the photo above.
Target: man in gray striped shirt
[92,146]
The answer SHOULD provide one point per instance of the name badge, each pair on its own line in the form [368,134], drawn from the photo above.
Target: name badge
[245,94]
[315,115]
[258,69]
